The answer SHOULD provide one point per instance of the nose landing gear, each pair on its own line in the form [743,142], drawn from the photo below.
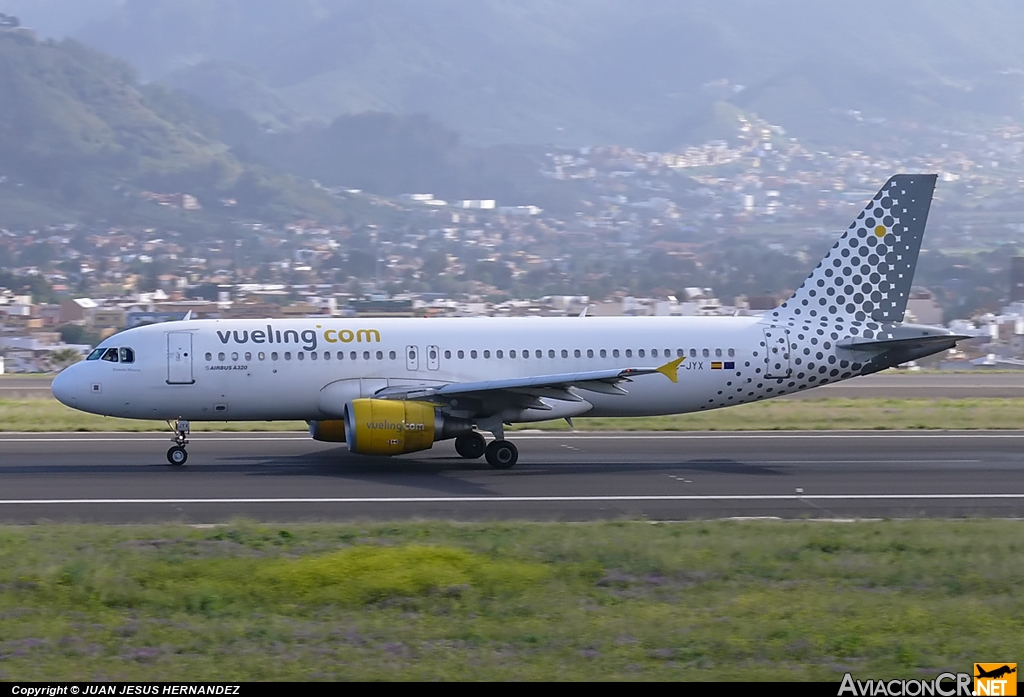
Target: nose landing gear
[177,455]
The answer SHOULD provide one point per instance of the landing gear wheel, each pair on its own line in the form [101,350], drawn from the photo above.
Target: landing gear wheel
[470,445]
[177,455]
[501,455]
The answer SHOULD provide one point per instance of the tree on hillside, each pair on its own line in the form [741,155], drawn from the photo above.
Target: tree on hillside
[62,358]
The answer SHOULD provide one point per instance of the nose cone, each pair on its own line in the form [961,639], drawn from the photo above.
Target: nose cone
[65,386]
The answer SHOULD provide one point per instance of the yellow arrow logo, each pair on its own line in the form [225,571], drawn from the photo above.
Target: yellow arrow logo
[671,369]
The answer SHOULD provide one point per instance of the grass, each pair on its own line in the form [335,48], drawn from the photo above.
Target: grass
[808,414]
[723,600]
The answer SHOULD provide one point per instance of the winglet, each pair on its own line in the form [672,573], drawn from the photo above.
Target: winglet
[671,369]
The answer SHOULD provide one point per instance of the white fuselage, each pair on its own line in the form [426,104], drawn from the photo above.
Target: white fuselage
[228,370]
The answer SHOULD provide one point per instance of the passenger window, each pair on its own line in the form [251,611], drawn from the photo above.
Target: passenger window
[577,353]
[313,355]
[487,354]
[640,353]
[693,353]
[209,356]
[341,355]
[498,354]
[447,354]
[615,353]
[392,355]
[366,355]
[353,355]
[668,353]
[433,354]
[301,356]
[511,354]
[551,353]
[629,353]
[262,356]
[248,356]
[718,353]
[287,355]
[680,353]
[461,354]
[604,354]
[590,353]
[565,354]
[327,355]
[234,356]
[273,356]
[127,355]
[380,355]
[221,357]
[705,353]
[732,352]
[538,353]
[472,354]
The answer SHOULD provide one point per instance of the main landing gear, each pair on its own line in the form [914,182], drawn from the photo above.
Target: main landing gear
[470,445]
[177,455]
[500,454]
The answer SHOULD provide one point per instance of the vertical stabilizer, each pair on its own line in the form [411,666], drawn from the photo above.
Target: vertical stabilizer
[867,274]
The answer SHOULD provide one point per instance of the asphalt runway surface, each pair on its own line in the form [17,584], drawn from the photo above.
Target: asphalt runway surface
[286,477]
[969,385]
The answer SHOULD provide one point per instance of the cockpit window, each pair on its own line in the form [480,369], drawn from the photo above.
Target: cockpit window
[127,355]
[95,355]
[110,355]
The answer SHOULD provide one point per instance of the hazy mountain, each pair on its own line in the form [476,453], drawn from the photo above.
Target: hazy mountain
[80,139]
[642,72]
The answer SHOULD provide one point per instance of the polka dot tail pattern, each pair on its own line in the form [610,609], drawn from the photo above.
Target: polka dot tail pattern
[866,276]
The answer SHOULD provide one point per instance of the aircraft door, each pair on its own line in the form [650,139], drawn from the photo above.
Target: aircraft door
[179,358]
[777,352]
[412,358]
[433,358]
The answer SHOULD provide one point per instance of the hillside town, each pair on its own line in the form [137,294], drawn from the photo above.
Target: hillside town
[728,227]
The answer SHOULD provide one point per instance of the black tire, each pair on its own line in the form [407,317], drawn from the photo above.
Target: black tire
[177,456]
[470,445]
[501,455]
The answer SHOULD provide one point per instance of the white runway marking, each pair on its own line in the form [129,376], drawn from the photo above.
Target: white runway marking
[524,499]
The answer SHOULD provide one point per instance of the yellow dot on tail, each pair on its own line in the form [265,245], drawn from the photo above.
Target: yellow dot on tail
[880,231]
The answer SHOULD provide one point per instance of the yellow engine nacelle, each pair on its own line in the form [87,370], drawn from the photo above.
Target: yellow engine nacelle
[385,427]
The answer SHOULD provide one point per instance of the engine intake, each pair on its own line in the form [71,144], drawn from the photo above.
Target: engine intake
[387,427]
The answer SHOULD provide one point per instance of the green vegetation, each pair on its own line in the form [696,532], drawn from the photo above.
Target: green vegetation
[623,600]
[46,414]
[81,139]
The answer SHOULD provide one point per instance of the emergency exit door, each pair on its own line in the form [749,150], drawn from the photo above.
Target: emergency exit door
[777,351]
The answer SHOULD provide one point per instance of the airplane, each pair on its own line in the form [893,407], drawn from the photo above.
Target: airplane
[398,385]
[995,672]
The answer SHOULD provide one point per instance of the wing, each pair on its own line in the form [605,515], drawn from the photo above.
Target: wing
[528,391]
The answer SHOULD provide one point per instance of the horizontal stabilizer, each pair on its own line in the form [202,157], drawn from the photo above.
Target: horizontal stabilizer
[910,337]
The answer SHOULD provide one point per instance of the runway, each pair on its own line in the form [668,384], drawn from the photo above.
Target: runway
[887,385]
[124,478]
